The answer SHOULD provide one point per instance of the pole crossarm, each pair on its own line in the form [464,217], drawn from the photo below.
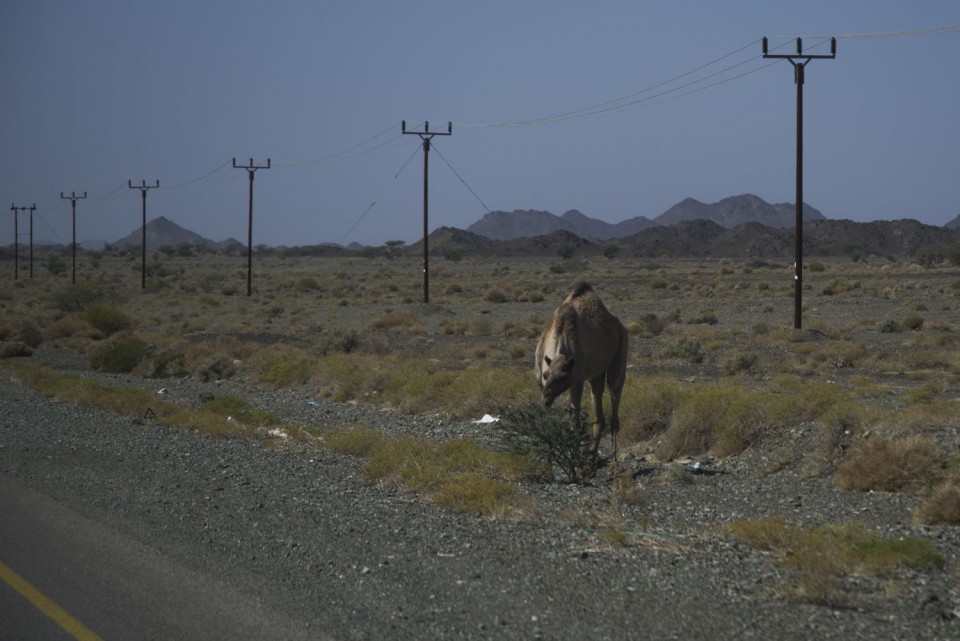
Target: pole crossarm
[426,136]
[251,170]
[144,188]
[799,61]
[799,54]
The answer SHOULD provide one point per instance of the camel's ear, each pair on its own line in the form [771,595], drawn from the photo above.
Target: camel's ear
[548,360]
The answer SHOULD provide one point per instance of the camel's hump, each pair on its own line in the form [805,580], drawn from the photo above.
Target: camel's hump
[580,289]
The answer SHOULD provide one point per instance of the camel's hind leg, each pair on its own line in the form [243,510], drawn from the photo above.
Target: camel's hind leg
[596,387]
[616,389]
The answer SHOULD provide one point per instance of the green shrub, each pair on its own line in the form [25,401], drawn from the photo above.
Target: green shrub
[29,334]
[118,356]
[216,367]
[106,316]
[551,435]
[495,296]
[687,349]
[305,284]
[76,297]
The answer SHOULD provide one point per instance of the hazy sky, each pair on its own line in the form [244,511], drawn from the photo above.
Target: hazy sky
[96,93]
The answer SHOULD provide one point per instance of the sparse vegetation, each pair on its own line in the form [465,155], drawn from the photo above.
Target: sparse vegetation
[550,435]
[823,557]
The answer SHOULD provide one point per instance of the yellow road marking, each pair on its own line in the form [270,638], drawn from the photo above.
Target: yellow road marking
[47,605]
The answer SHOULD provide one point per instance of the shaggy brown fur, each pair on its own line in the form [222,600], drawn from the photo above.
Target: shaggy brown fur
[583,342]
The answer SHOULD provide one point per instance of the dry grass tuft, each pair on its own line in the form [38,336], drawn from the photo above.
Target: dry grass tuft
[890,465]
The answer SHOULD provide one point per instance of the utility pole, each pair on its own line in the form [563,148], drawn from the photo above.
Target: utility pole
[16,238]
[143,187]
[31,209]
[251,169]
[426,135]
[799,60]
[73,198]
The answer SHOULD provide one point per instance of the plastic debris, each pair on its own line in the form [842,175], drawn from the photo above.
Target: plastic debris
[487,419]
[162,391]
[311,403]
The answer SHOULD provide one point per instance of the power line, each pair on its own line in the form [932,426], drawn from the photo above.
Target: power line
[619,103]
[204,176]
[380,195]
[339,156]
[930,31]
[457,174]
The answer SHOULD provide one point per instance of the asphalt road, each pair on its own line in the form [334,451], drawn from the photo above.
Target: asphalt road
[99,583]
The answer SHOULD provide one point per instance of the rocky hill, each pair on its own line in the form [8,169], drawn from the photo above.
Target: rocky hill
[737,210]
[728,213]
[519,223]
[954,224]
[163,232]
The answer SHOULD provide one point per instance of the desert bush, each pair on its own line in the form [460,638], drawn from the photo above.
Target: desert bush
[942,506]
[890,465]
[551,435]
[14,349]
[719,419]
[739,362]
[496,296]
[913,322]
[76,297]
[687,349]
[647,406]
[648,326]
[890,327]
[453,288]
[118,355]
[55,265]
[169,363]
[306,284]
[215,367]
[105,316]
[395,320]
[29,334]
[658,283]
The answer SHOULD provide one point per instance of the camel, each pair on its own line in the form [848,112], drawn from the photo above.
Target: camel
[583,342]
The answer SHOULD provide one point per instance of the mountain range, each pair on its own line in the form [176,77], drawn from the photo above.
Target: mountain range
[728,213]
[744,226]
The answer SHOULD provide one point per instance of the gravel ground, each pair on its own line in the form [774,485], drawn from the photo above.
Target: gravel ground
[301,528]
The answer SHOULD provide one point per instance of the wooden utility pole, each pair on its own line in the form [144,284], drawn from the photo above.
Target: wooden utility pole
[426,135]
[799,61]
[143,187]
[16,239]
[73,198]
[251,169]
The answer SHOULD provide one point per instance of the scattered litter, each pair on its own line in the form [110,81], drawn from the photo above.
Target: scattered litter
[162,391]
[230,419]
[310,403]
[697,466]
[278,433]
[487,419]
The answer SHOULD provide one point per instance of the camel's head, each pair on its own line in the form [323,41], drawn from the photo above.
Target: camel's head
[555,377]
